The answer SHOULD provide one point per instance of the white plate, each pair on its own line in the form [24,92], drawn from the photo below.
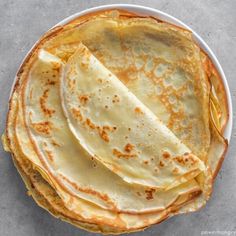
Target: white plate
[166,17]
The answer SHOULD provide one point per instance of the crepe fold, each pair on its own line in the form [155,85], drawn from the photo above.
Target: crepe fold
[115,122]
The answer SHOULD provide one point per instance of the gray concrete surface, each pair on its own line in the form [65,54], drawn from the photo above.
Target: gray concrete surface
[23,21]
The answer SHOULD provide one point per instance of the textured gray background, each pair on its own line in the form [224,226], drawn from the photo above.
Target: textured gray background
[23,21]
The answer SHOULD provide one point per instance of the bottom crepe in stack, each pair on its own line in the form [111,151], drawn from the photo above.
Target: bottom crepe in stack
[115,122]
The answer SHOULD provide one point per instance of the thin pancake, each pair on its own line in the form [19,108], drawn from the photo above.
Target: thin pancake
[130,145]
[67,159]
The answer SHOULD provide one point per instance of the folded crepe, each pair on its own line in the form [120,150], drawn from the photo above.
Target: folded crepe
[118,130]
[115,122]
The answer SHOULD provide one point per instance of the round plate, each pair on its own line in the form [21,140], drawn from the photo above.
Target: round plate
[166,17]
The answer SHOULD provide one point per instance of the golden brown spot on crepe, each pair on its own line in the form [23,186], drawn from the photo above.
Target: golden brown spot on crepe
[120,154]
[100,80]
[161,164]
[145,162]
[139,194]
[94,162]
[115,99]
[191,159]
[90,124]
[94,165]
[43,106]
[175,170]
[56,66]
[83,99]
[50,82]
[166,154]
[138,110]
[149,193]
[103,134]
[128,147]
[179,159]
[43,127]
[77,114]
[54,143]
[49,155]
[186,159]
[106,127]
[102,131]
[123,75]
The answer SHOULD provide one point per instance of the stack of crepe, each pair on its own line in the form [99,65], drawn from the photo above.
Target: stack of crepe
[115,122]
